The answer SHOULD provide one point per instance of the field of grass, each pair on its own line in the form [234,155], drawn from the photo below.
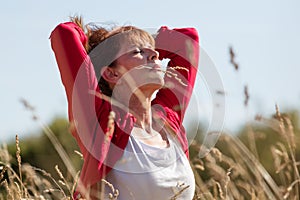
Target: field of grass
[231,170]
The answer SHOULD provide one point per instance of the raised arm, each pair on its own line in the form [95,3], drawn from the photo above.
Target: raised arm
[88,114]
[181,46]
[67,41]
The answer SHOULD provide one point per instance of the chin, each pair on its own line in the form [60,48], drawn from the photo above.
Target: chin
[156,77]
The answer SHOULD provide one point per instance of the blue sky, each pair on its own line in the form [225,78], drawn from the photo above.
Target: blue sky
[264,35]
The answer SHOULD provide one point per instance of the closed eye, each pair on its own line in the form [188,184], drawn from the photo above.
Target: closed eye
[137,51]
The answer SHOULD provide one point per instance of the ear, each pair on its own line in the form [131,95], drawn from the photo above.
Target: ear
[109,74]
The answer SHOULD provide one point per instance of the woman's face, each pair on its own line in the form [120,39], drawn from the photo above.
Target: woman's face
[133,55]
[138,65]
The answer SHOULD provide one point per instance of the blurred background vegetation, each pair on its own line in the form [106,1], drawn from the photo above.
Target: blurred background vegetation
[39,151]
[259,136]
[260,161]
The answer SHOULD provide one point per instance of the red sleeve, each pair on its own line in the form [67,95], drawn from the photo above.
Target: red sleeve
[89,114]
[67,41]
[181,46]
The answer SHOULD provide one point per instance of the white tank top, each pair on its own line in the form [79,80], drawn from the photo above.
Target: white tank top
[145,172]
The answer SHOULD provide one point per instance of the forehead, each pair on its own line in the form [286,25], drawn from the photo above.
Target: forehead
[132,45]
[136,38]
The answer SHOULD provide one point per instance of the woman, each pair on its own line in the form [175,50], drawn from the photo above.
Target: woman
[127,137]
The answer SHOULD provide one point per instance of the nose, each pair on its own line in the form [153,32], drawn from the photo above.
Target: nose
[152,55]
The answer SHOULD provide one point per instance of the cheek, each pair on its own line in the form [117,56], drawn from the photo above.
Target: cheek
[132,63]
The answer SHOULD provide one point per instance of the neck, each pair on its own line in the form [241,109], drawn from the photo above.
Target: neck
[141,108]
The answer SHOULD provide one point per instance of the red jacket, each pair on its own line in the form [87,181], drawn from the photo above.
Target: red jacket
[101,145]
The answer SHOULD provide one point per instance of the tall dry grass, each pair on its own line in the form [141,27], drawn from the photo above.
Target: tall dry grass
[239,174]
[236,174]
